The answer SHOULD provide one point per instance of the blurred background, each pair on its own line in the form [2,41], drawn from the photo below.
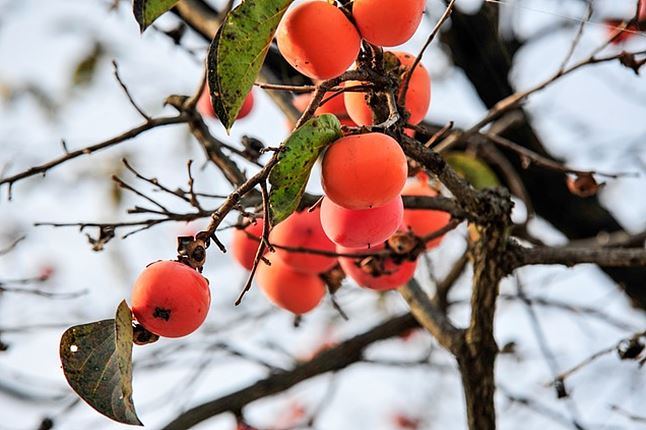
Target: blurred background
[57,82]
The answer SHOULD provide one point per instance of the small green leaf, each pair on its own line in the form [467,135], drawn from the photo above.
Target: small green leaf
[474,170]
[146,11]
[289,176]
[237,53]
[97,362]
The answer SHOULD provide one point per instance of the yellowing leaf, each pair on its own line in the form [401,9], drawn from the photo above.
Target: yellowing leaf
[474,170]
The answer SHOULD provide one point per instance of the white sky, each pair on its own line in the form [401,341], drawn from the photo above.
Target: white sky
[594,119]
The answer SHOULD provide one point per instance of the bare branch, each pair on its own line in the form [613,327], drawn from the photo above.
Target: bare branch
[127,92]
[431,317]
[570,256]
[529,157]
[436,29]
[42,168]
[329,360]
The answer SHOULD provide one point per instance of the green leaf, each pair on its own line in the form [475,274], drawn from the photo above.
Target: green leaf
[97,362]
[237,53]
[289,176]
[474,170]
[146,11]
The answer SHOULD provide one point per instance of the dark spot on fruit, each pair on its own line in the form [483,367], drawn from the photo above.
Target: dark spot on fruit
[162,313]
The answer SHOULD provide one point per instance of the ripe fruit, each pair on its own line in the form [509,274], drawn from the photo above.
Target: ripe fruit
[376,273]
[206,109]
[170,299]
[303,229]
[360,228]
[387,22]
[294,291]
[631,29]
[243,247]
[364,171]
[318,40]
[418,96]
[335,106]
[424,221]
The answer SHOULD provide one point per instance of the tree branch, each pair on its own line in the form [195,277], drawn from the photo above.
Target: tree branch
[431,317]
[147,125]
[570,256]
[333,359]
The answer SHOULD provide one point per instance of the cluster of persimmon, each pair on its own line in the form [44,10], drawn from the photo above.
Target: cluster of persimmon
[363,175]
[321,42]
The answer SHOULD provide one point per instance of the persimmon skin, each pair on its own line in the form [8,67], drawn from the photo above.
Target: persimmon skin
[243,247]
[624,35]
[387,22]
[287,288]
[335,106]
[396,274]
[360,228]
[303,229]
[205,107]
[170,299]
[424,221]
[318,40]
[364,171]
[418,95]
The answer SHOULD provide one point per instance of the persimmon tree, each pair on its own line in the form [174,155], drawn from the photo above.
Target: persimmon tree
[394,185]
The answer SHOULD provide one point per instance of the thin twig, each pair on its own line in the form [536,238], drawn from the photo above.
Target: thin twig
[127,92]
[514,100]
[283,87]
[37,292]
[42,168]
[263,243]
[13,244]
[577,38]
[529,157]
[409,73]
[124,185]
[569,372]
[438,135]
[155,182]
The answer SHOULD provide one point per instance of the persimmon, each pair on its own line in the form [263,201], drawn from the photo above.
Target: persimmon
[628,33]
[205,107]
[334,105]
[387,22]
[244,247]
[363,171]
[318,40]
[418,95]
[287,288]
[424,221]
[375,273]
[632,29]
[170,299]
[303,229]
[359,228]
